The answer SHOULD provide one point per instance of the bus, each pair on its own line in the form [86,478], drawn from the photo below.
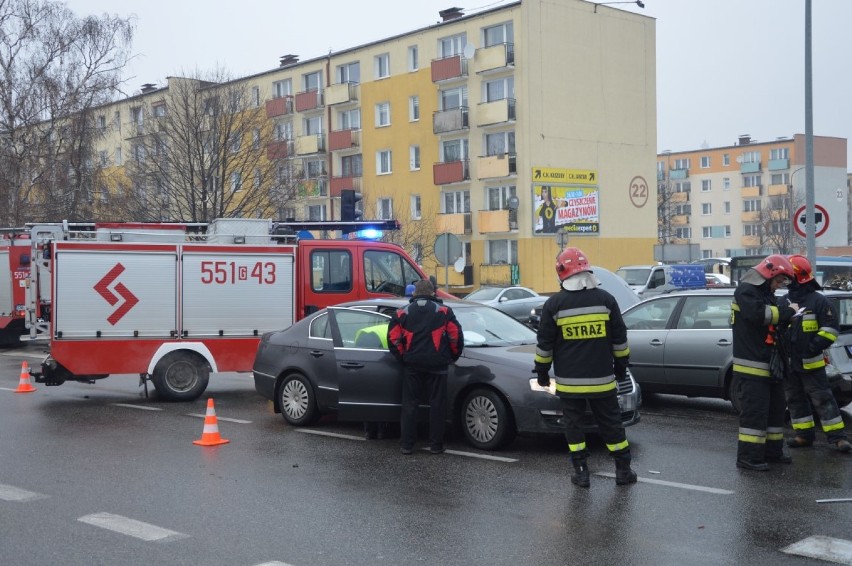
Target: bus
[834,272]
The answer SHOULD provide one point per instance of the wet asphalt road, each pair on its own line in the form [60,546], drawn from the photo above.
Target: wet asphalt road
[97,474]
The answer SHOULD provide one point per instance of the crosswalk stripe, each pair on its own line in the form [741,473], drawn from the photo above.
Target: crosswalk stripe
[131,527]
[825,548]
[12,493]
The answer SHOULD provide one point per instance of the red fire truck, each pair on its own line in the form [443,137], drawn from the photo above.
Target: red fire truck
[15,250]
[173,303]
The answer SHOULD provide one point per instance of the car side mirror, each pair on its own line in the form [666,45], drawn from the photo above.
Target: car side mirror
[503,299]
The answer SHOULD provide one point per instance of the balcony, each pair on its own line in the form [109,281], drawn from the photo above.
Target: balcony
[497,274]
[452,120]
[750,241]
[451,172]
[676,174]
[776,190]
[310,144]
[496,112]
[778,164]
[463,279]
[494,221]
[280,149]
[458,223]
[495,57]
[308,100]
[312,188]
[339,183]
[279,106]
[501,165]
[751,191]
[680,220]
[452,67]
[750,216]
[344,139]
[679,197]
[753,167]
[341,93]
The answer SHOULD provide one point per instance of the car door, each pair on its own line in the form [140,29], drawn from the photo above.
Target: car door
[516,302]
[700,344]
[369,377]
[647,331]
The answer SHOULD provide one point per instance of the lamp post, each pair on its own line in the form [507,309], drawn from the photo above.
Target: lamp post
[637,2]
[810,228]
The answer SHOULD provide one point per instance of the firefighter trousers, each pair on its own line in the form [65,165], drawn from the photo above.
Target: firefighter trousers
[808,393]
[607,415]
[761,433]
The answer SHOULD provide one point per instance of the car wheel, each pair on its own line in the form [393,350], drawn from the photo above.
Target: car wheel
[297,401]
[181,376]
[734,392]
[486,420]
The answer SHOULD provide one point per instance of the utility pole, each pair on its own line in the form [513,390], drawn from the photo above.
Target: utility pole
[810,228]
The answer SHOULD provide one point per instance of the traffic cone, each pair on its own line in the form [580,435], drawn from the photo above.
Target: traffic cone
[210,436]
[24,385]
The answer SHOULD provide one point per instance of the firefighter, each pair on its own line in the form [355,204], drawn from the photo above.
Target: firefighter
[808,333]
[754,317]
[583,336]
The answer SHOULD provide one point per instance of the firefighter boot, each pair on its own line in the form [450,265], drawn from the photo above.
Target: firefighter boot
[623,473]
[580,477]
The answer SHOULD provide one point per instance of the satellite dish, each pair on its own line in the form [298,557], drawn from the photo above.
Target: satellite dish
[458,266]
[469,50]
[513,203]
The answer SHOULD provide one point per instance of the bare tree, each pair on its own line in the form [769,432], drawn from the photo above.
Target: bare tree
[55,68]
[201,154]
[417,237]
[775,221]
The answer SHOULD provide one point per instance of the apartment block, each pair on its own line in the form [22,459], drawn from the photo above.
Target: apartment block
[519,129]
[749,198]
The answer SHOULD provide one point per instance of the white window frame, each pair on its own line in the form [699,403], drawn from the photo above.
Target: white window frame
[236,181]
[255,96]
[384,162]
[779,153]
[752,205]
[414,108]
[383,114]
[727,207]
[706,185]
[726,184]
[381,66]
[511,250]
[349,119]
[499,196]
[316,208]
[416,210]
[751,157]
[726,159]
[451,45]
[413,58]
[706,208]
[705,161]
[505,32]
[459,202]
[414,158]
[384,208]
[282,88]
[346,71]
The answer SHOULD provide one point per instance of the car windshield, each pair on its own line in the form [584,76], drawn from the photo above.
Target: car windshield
[634,276]
[484,294]
[485,326]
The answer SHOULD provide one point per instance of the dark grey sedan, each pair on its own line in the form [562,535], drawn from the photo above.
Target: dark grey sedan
[335,361]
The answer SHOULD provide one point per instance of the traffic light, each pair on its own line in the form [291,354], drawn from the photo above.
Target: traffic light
[349,209]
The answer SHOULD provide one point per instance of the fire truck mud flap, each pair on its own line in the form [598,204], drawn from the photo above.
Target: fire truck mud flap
[181,376]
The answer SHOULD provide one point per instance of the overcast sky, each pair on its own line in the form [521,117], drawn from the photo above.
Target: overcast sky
[724,67]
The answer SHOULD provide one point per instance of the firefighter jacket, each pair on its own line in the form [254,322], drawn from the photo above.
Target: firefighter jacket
[806,335]
[583,335]
[754,318]
[425,334]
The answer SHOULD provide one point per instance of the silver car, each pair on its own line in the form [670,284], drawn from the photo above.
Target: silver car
[517,302]
[681,343]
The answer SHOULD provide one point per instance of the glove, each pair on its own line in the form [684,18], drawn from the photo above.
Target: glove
[543,378]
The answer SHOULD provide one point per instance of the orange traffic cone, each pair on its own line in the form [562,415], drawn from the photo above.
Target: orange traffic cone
[24,385]
[210,436]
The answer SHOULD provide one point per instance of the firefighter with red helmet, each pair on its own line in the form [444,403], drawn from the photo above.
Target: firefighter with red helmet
[812,330]
[583,336]
[755,314]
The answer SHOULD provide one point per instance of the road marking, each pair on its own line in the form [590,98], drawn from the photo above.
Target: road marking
[715,490]
[12,493]
[843,500]
[141,407]
[131,527]
[218,418]
[829,549]
[8,389]
[23,355]
[455,452]
[274,563]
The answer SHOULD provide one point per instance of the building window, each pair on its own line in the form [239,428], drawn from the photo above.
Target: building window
[103,158]
[498,197]
[706,208]
[681,164]
[683,233]
[705,185]
[499,89]
[450,46]
[726,159]
[352,165]
[452,98]
[255,139]
[454,150]
[683,187]
[236,181]
[312,81]
[751,181]
[705,162]
[413,58]
[349,73]
[316,213]
[282,88]
[383,162]
[312,126]
[751,205]
[118,160]
[383,114]
[256,180]
[751,229]
[779,153]
[255,96]
[381,65]
[751,157]
[102,122]
[780,179]
[384,208]
[706,254]
[500,143]
[727,231]
[502,251]
[315,168]
[682,209]
[726,184]
[455,202]
[727,206]
[495,35]
[414,158]
[283,130]
[413,108]
[416,213]
[349,119]
[706,232]
[236,142]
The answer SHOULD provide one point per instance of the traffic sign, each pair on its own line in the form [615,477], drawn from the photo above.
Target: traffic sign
[448,248]
[820,221]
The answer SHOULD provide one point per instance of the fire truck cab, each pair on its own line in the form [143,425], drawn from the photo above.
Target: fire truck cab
[173,303]
[15,250]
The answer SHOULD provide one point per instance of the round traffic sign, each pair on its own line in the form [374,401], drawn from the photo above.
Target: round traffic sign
[448,248]
[820,221]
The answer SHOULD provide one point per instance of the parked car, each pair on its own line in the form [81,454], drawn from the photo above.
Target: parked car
[681,343]
[517,302]
[717,280]
[615,285]
[329,362]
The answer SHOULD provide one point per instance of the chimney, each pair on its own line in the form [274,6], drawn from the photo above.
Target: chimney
[287,60]
[745,139]
[450,14]
[148,87]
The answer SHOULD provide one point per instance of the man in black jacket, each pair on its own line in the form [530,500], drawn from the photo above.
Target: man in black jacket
[809,332]
[582,334]
[426,337]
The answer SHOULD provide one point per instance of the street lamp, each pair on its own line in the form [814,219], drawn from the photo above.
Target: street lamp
[637,2]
